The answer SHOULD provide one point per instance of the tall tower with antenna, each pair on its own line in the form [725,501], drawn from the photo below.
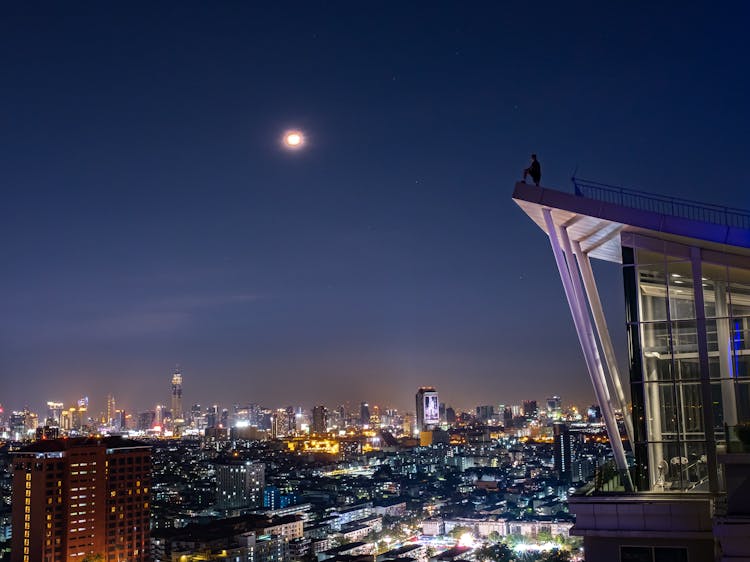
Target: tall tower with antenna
[177,416]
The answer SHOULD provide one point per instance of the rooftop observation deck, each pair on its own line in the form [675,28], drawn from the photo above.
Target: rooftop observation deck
[596,215]
[673,206]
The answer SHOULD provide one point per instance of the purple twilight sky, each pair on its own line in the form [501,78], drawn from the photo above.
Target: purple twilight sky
[151,216]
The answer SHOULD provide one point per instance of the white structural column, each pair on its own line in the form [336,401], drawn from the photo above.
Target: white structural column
[590,354]
[726,355]
[600,322]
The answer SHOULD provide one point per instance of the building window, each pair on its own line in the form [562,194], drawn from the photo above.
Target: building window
[653,554]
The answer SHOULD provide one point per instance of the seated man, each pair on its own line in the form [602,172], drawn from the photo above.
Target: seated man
[535,170]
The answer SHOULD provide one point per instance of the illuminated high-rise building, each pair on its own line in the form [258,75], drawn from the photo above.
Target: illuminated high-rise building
[554,407]
[428,408]
[320,420]
[81,497]
[177,415]
[54,413]
[562,451]
[159,415]
[74,419]
[239,484]
[681,489]
[280,422]
[111,409]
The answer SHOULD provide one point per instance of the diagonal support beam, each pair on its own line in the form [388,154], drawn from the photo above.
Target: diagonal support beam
[575,297]
[600,322]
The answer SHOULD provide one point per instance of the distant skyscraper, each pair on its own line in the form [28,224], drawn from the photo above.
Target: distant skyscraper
[74,418]
[554,407]
[428,408]
[239,484]
[485,413]
[408,425]
[177,415]
[364,413]
[54,413]
[530,409]
[111,409]
[280,422]
[159,415]
[120,421]
[594,413]
[450,415]
[320,419]
[563,451]
[146,420]
[80,497]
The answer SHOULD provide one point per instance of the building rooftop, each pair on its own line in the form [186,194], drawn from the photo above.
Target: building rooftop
[597,215]
[65,444]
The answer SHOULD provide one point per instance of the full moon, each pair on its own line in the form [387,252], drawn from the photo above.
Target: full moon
[293,139]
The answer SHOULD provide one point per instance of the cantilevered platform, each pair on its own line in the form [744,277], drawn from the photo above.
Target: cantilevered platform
[597,222]
[686,277]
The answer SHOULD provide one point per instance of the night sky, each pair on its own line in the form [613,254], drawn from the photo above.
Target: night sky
[151,217]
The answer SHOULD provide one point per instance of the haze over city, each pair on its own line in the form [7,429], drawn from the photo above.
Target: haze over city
[153,215]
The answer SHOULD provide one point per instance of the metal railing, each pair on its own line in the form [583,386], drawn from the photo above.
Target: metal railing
[607,480]
[673,206]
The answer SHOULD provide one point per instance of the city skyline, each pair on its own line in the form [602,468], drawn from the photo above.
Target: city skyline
[153,214]
[96,406]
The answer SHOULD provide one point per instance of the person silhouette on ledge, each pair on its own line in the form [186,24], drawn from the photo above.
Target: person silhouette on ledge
[535,170]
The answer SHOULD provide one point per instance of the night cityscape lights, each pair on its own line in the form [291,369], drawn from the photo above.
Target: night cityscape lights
[319,483]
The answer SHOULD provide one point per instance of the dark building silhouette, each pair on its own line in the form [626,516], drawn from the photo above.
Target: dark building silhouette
[320,419]
[364,413]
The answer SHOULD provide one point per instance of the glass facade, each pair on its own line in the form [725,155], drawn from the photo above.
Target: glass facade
[688,314]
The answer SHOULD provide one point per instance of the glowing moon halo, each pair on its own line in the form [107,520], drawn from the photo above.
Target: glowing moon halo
[294,139]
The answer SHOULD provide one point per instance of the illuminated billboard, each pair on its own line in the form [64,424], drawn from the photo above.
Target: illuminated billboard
[431,409]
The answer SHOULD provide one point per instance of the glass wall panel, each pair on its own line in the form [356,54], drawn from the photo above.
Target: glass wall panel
[687,368]
[657,351]
[690,411]
[742,397]
[722,402]
[739,292]
[715,283]
[685,337]
[652,287]
[741,366]
[661,411]
[681,297]
[739,334]
[678,466]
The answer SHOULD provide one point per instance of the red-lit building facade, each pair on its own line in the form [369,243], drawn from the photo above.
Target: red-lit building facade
[78,497]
